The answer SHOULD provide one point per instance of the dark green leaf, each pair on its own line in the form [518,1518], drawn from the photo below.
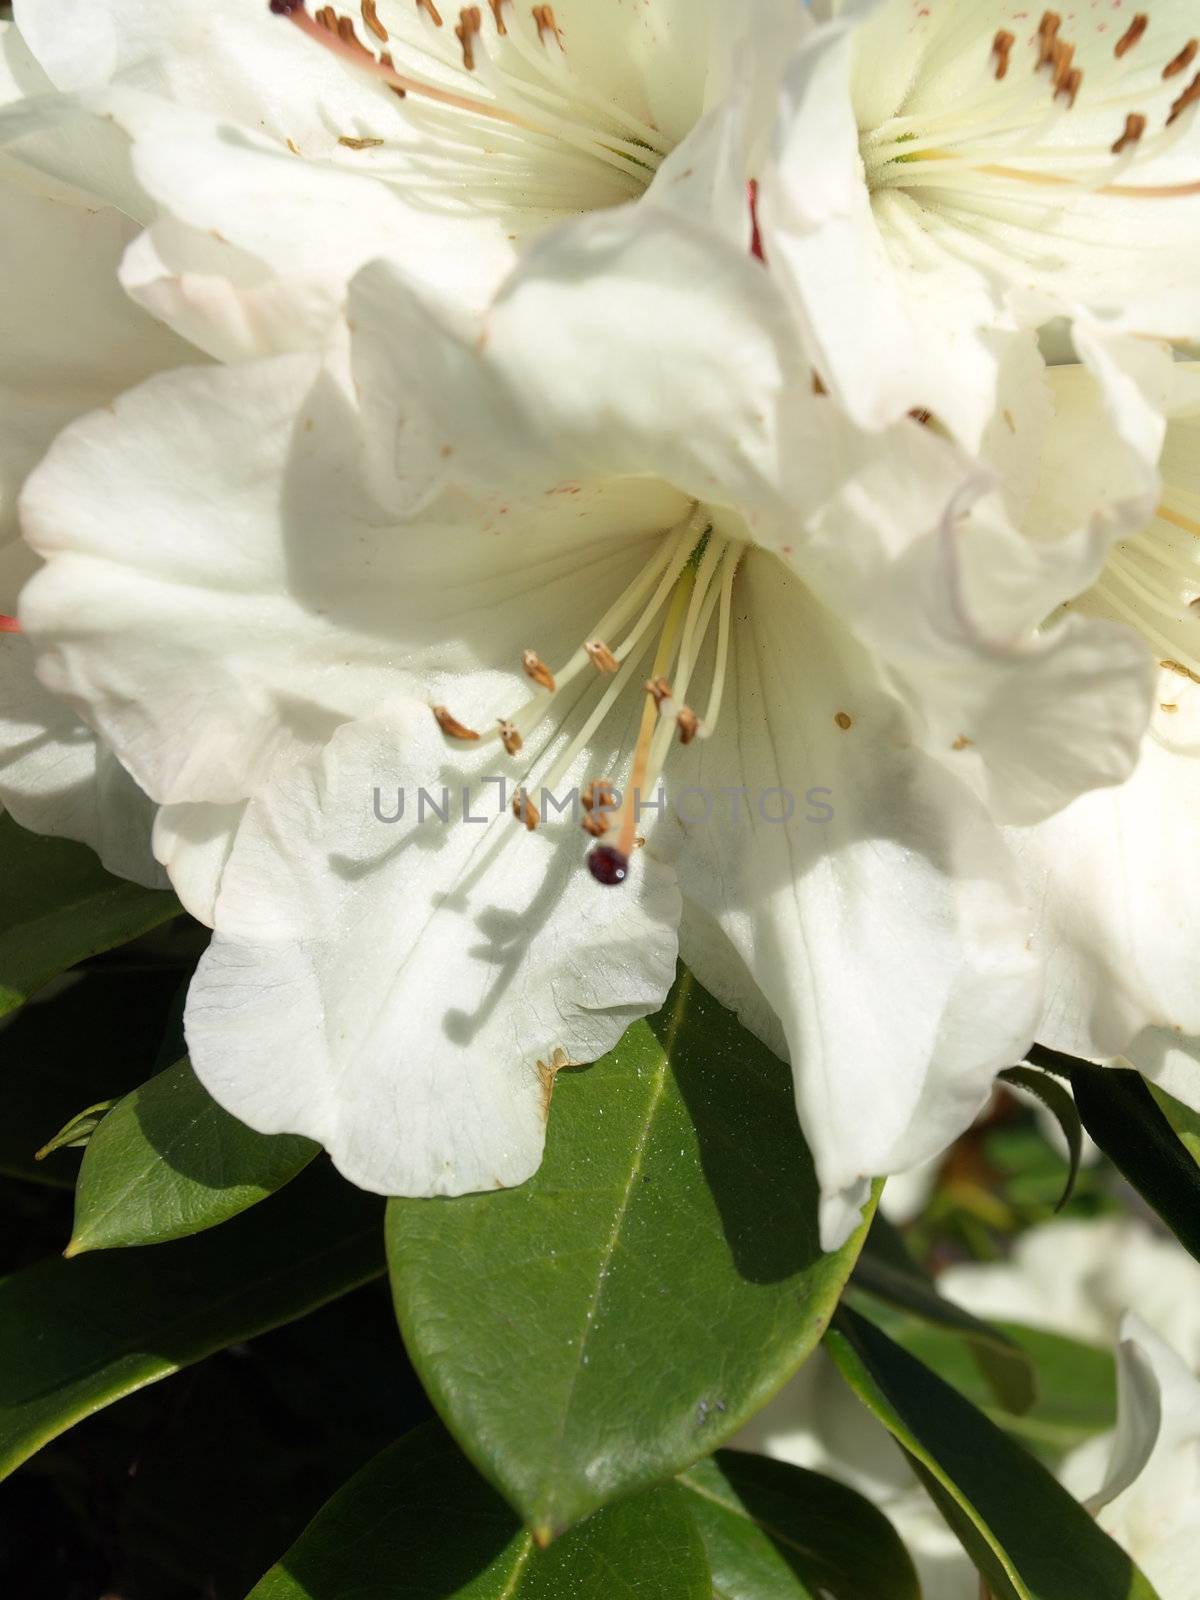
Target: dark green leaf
[1123,1117]
[418,1521]
[168,1161]
[77,1335]
[1183,1119]
[776,1532]
[1065,1112]
[1029,1538]
[59,907]
[899,1282]
[626,1310]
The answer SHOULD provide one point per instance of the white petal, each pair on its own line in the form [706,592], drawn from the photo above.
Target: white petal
[412,976]
[887,935]
[193,843]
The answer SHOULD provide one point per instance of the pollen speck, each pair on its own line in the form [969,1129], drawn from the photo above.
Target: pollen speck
[844,720]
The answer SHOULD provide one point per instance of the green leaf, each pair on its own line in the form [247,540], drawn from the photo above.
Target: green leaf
[883,1274]
[168,1162]
[419,1522]
[1028,1537]
[628,1308]
[777,1532]
[1065,1112]
[77,1335]
[60,906]
[1183,1119]
[1128,1123]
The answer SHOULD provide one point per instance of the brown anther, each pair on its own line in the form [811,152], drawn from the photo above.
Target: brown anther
[1069,89]
[371,19]
[601,656]
[659,690]
[1188,98]
[509,737]
[1183,60]
[470,20]
[1135,127]
[818,388]
[1047,38]
[921,415]
[498,12]
[1132,34]
[599,796]
[346,33]
[451,726]
[385,60]
[597,823]
[358,144]
[688,724]
[1184,672]
[844,720]
[327,17]
[431,11]
[1064,56]
[963,743]
[1002,49]
[543,17]
[525,811]
[537,669]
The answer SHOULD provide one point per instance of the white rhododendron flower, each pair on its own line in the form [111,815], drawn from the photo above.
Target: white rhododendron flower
[588,550]
[1111,875]
[284,148]
[72,341]
[1074,1278]
[942,171]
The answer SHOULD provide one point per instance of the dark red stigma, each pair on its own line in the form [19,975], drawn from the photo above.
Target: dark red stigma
[608,865]
[284,8]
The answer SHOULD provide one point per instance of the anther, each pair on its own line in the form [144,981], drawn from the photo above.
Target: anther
[608,865]
[543,17]
[1135,127]
[451,726]
[1069,89]
[1002,49]
[371,20]
[537,669]
[346,33]
[1047,38]
[601,656]
[688,724]
[1064,55]
[431,11]
[1183,60]
[1132,34]
[470,20]
[597,823]
[599,796]
[659,690]
[1188,98]
[525,811]
[327,17]
[509,737]
[498,12]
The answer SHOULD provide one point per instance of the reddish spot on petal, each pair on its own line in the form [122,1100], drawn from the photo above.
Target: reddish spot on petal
[9,624]
[756,247]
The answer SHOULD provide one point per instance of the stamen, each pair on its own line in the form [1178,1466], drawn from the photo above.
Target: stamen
[599,795]
[660,690]
[543,17]
[371,20]
[1132,34]
[1069,87]
[601,656]
[1189,97]
[1183,60]
[1048,38]
[431,11]
[509,737]
[537,669]
[498,13]
[1002,46]
[451,726]
[525,811]
[470,21]
[1135,127]
[688,724]
[597,823]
